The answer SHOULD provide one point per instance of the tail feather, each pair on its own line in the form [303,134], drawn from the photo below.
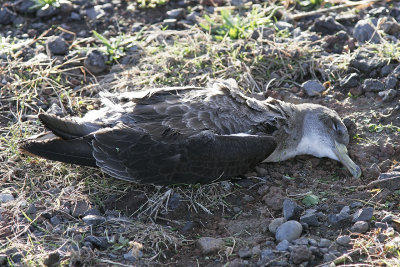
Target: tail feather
[67,128]
[76,151]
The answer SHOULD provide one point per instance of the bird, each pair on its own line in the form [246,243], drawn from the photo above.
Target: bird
[190,135]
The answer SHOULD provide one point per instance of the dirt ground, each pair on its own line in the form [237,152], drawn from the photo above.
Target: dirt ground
[55,214]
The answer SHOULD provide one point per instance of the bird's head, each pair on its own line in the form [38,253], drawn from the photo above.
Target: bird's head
[325,135]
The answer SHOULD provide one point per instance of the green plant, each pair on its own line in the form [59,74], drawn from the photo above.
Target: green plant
[38,4]
[151,3]
[112,47]
[377,128]
[238,26]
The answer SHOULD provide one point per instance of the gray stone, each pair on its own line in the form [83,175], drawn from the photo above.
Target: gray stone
[47,11]
[313,87]
[80,208]
[365,31]
[341,219]
[386,70]
[170,23]
[329,257]
[283,25]
[311,219]
[52,260]
[301,241]
[93,219]
[193,17]
[356,204]
[75,16]
[350,81]
[95,61]
[263,33]
[95,12]
[327,26]
[390,82]
[129,256]
[291,211]
[26,7]
[301,254]
[289,230]
[97,242]
[283,245]
[31,209]
[210,245]
[366,62]
[6,197]
[343,240]
[267,254]
[390,26]
[7,16]
[275,223]
[364,214]
[177,13]
[57,45]
[324,243]
[244,253]
[388,95]
[387,219]
[373,85]
[55,220]
[360,227]
[237,2]
[381,225]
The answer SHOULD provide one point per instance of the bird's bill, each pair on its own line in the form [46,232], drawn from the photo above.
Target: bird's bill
[343,157]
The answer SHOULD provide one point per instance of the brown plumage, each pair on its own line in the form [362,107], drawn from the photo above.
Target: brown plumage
[190,134]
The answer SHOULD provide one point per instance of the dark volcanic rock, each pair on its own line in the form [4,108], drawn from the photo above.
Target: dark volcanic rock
[7,16]
[365,31]
[301,254]
[98,242]
[352,80]
[95,62]
[366,62]
[57,45]
[291,211]
[373,85]
[327,25]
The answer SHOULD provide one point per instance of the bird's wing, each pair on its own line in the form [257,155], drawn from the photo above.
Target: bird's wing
[132,154]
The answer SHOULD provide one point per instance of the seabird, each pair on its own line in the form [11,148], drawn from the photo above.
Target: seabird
[190,134]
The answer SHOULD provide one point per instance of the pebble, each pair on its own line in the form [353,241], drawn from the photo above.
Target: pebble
[93,219]
[327,26]
[388,95]
[177,13]
[275,223]
[55,220]
[329,257]
[352,80]
[95,13]
[26,7]
[373,85]
[340,219]
[75,16]
[263,33]
[47,11]
[283,25]
[244,253]
[283,245]
[52,260]
[289,230]
[210,245]
[311,219]
[324,243]
[301,241]
[360,227]
[381,225]
[170,23]
[95,61]
[313,87]
[57,45]
[343,240]
[387,219]
[98,242]
[129,256]
[301,254]
[390,82]
[291,211]
[366,62]
[31,209]
[365,31]
[7,16]
[6,198]
[364,214]
[390,26]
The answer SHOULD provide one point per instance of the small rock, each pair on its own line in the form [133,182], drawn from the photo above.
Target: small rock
[313,87]
[335,43]
[267,255]
[210,245]
[7,16]
[95,62]
[300,254]
[387,219]
[26,7]
[343,240]
[327,25]
[75,16]
[365,31]
[356,204]
[274,198]
[352,80]
[329,257]
[177,14]
[98,242]
[373,85]
[390,82]
[283,25]
[47,11]
[263,33]
[55,220]
[311,219]
[388,95]
[193,17]
[341,219]
[381,225]
[244,253]
[291,211]
[360,227]
[6,198]
[275,223]
[95,13]
[283,245]
[52,260]
[391,26]
[170,23]
[324,243]
[80,208]
[129,256]
[364,214]
[289,230]
[31,209]
[386,70]
[93,219]
[301,241]
[356,91]
[367,62]
[56,45]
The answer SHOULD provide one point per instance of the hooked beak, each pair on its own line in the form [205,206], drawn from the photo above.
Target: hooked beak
[342,155]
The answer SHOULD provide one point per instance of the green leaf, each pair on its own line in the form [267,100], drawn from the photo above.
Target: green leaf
[310,200]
